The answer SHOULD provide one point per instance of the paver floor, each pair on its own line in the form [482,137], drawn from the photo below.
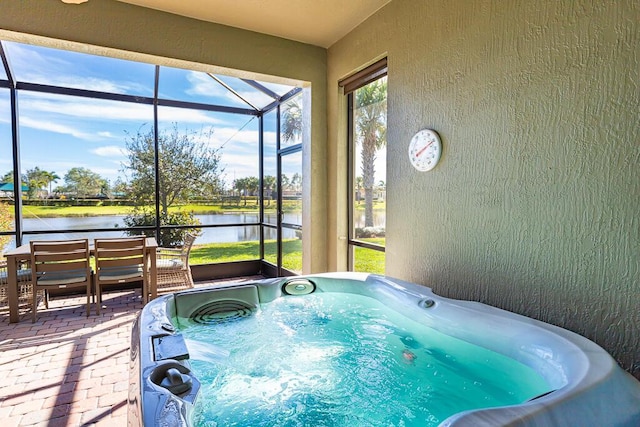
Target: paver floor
[67,369]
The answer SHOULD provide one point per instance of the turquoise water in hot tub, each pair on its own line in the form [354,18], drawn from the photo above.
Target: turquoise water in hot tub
[334,359]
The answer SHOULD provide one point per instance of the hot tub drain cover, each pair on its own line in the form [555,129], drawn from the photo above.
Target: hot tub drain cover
[222,311]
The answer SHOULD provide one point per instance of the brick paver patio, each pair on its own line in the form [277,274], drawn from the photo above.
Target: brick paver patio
[67,369]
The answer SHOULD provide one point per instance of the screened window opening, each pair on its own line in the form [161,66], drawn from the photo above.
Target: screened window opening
[366,94]
[110,147]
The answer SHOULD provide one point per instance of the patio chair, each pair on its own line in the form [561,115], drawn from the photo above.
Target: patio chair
[121,260]
[174,273]
[60,265]
[24,288]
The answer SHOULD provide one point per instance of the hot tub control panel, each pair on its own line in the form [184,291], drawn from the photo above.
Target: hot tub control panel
[170,347]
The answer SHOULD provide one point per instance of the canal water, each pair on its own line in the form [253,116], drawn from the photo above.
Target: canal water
[208,235]
[227,234]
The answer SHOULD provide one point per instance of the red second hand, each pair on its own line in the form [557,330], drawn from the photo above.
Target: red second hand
[423,148]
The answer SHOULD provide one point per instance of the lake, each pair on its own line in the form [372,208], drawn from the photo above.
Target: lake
[209,235]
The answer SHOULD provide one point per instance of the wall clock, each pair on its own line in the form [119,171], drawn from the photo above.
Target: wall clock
[425,149]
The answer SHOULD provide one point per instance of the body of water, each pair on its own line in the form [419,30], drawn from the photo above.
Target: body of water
[228,234]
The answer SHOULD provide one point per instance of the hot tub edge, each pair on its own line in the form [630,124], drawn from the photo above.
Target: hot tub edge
[586,382]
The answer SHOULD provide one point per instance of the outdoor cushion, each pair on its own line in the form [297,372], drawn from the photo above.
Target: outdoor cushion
[66,278]
[169,263]
[119,273]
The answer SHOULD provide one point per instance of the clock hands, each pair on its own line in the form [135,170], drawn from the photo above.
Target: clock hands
[422,150]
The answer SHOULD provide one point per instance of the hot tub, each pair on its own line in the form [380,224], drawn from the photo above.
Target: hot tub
[580,384]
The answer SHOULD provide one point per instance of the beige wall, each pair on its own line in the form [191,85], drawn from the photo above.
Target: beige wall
[535,204]
[133,32]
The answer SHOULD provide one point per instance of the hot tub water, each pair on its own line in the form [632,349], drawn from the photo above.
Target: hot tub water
[341,359]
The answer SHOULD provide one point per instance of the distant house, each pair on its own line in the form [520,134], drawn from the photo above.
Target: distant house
[6,189]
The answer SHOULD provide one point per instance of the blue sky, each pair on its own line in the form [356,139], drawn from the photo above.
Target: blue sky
[60,132]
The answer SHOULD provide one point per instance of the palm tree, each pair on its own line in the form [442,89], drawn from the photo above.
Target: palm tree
[296,182]
[371,132]
[7,177]
[36,180]
[285,182]
[253,184]
[50,177]
[240,185]
[291,120]
[268,185]
[358,187]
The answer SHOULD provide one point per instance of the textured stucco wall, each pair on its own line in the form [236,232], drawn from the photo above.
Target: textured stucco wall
[122,30]
[535,205]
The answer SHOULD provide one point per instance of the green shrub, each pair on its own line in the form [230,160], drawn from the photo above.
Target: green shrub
[6,223]
[168,237]
[369,232]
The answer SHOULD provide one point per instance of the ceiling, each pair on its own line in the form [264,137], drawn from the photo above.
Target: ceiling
[316,22]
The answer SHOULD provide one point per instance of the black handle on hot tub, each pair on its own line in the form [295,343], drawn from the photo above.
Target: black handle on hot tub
[172,376]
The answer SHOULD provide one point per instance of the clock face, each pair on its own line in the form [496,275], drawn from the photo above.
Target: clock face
[424,150]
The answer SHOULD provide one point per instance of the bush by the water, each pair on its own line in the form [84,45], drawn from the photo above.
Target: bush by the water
[369,232]
[168,237]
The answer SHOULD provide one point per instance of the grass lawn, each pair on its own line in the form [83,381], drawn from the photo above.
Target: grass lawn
[244,251]
[370,261]
[366,260]
[71,211]
[81,211]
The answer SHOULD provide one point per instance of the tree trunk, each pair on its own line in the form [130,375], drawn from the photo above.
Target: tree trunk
[368,177]
[164,205]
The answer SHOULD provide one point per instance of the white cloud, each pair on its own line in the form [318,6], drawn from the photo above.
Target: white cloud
[108,173]
[53,127]
[89,108]
[110,151]
[184,115]
[236,171]
[203,85]
[68,115]
[28,60]
[227,135]
[84,108]
[256,98]
[40,65]
[93,83]
[5,110]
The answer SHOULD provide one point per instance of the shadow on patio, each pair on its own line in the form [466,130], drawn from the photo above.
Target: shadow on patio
[67,369]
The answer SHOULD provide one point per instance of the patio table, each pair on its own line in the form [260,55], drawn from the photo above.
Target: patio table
[23,253]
